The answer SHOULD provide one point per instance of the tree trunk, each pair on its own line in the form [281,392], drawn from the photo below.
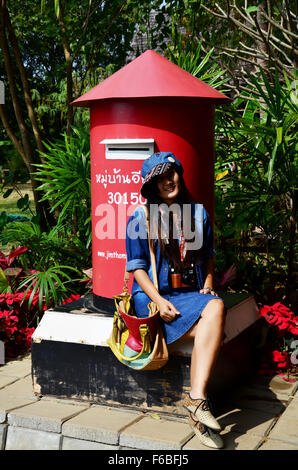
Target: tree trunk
[262,44]
[25,136]
[17,144]
[292,227]
[69,60]
[25,83]
[24,146]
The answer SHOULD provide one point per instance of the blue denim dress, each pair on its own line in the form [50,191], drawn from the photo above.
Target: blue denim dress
[188,301]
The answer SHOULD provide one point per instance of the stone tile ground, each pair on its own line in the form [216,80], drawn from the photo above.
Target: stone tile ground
[261,416]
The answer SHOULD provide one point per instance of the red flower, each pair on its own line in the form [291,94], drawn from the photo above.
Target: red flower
[14,318]
[280,316]
[71,298]
[281,359]
[4,313]
[277,356]
[293,328]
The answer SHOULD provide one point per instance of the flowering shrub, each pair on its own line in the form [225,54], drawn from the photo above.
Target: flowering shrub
[9,275]
[280,316]
[24,298]
[71,298]
[18,320]
[17,338]
[15,327]
[278,354]
[7,260]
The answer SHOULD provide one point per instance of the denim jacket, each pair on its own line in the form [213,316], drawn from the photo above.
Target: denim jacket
[138,254]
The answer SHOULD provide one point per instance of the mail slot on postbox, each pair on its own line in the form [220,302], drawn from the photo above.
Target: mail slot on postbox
[150,105]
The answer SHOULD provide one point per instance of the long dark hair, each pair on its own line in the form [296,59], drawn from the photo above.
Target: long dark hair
[169,247]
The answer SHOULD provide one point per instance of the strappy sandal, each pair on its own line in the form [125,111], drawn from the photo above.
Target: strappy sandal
[201,409]
[206,436]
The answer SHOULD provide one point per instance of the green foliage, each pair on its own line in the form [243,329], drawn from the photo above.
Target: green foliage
[50,285]
[45,249]
[247,36]
[257,205]
[98,35]
[256,202]
[11,184]
[65,178]
[194,61]
[10,159]
[39,274]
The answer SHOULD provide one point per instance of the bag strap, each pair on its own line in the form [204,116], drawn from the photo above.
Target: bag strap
[152,254]
[145,337]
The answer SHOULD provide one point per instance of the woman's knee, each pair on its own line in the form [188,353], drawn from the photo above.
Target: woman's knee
[214,310]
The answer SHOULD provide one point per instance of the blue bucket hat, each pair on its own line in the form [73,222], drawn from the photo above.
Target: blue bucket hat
[155,165]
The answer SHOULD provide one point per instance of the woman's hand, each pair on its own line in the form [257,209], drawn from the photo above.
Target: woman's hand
[208,290]
[167,310]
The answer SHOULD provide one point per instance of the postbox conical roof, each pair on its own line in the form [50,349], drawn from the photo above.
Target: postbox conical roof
[150,76]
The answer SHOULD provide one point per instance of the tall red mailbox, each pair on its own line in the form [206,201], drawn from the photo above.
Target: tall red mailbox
[149,105]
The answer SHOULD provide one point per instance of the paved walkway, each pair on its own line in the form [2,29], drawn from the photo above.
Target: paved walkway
[260,416]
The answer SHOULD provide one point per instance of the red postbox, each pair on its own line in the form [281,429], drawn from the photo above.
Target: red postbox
[149,105]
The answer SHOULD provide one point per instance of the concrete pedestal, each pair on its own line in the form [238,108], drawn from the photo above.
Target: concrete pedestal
[71,359]
[2,353]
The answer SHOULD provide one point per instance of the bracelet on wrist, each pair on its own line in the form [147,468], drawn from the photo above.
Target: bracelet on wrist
[208,288]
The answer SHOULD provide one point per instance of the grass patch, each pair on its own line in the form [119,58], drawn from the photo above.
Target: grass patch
[9,204]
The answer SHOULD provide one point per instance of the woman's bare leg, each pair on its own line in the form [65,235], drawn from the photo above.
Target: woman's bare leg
[207,334]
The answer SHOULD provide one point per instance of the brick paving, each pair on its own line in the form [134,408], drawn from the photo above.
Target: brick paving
[260,416]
